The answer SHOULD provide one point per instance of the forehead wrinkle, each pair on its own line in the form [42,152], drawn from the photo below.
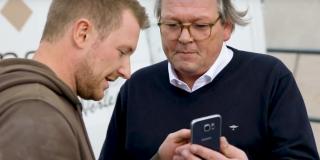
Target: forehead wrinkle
[188,3]
[184,16]
[184,10]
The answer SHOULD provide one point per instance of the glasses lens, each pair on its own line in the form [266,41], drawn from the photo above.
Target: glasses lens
[200,31]
[170,30]
[196,31]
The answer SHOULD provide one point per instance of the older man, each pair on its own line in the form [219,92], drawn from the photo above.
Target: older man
[203,76]
[85,44]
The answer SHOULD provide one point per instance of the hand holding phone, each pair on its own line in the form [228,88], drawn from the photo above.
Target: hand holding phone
[206,131]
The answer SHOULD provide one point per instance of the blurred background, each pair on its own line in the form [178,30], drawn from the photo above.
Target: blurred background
[293,35]
[287,29]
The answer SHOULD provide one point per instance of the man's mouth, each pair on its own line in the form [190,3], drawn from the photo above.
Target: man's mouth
[183,52]
[187,51]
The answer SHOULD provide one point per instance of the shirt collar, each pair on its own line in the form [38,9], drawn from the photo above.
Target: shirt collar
[222,60]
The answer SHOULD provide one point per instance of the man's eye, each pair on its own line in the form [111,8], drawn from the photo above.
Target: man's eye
[122,53]
[172,25]
[200,26]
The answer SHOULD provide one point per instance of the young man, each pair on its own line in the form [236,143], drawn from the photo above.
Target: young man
[202,76]
[85,44]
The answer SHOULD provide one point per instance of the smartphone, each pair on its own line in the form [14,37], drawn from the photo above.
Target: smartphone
[206,131]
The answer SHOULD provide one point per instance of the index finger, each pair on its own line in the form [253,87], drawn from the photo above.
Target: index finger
[180,135]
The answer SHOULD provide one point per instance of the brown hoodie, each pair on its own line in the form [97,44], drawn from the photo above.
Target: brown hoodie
[40,116]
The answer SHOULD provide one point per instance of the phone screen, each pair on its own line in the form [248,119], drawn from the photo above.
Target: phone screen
[206,131]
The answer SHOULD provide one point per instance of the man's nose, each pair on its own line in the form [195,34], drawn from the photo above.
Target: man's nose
[125,68]
[185,36]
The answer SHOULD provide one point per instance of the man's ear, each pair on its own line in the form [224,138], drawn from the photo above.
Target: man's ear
[82,32]
[227,30]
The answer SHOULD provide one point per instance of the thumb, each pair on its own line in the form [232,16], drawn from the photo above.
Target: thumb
[231,151]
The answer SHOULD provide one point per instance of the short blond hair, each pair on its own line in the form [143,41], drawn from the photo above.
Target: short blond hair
[106,15]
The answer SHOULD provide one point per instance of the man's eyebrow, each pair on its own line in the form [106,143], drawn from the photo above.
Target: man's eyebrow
[193,18]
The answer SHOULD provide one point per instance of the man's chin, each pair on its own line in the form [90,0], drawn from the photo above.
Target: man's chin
[95,97]
[98,97]
[188,68]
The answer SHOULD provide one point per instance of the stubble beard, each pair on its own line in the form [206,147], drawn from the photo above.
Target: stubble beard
[87,84]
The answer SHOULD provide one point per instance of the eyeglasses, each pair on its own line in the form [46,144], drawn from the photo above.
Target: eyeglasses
[198,31]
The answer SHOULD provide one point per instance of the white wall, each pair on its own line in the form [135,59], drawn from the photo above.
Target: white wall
[25,40]
[149,51]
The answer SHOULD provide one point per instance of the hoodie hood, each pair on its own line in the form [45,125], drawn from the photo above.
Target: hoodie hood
[15,72]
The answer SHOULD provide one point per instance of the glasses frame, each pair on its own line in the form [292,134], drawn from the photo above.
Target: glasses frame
[184,25]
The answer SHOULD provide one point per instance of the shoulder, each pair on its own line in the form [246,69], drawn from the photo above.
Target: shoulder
[32,113]
[32,102]
[259,62]
[156,74]
[150,72]
[36,130]
[253,56]
[35,99]
[30,91]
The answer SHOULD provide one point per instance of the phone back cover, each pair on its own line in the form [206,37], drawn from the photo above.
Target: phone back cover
[207,133]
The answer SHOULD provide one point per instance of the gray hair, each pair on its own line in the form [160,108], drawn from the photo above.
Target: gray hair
[227,11]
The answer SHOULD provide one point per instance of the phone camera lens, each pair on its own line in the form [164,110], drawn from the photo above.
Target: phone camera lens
[207,127]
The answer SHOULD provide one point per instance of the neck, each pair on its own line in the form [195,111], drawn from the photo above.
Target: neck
[188,79]
[57,58]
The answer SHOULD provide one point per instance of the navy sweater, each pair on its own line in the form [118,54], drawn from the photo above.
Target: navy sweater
[255,92]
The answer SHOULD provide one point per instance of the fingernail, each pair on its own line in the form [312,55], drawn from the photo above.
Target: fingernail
[224,142]
[224,139]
